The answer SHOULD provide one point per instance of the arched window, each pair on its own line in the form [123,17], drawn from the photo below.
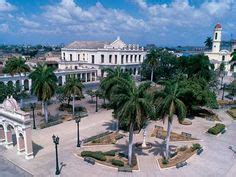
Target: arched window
[223,58]
[216,35]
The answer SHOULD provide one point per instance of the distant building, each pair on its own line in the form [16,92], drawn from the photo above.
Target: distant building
[99,55]
[218,55]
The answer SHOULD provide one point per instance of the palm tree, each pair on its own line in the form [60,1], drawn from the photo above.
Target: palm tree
[233,55]
[44,85]
[73,87]
[152,60]
[111,79]
[208,43]
[132,104]
[17,66]
[169,104]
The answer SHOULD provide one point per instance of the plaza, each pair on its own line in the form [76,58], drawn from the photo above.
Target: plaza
[216,160]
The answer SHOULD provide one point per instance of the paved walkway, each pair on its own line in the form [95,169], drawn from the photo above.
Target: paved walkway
[216,160]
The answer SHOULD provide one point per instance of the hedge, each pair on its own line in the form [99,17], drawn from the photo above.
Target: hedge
[196,146]
[216,129]
[96,155]
[94,138]
[110,153]
[49,124]
[118,163]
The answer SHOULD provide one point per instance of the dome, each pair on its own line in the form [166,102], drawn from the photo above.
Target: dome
[218,25]
[10,104]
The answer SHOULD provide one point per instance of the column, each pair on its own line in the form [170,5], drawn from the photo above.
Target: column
[8,136]
[30,84]
[63,79]
[91,77]
[81,76]
[14,83]
[2,135]
[86,79]
[28,144]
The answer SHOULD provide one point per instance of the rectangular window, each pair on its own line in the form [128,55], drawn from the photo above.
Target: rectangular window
[135,58]
[78,57]
[110,58]
[70,57]
[131,58]
[64,56]
[127,56]
[76,67]
[102,58]
[93,59]
[139,58]
[115,59]
[122,59]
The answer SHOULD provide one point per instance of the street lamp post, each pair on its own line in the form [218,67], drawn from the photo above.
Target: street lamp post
[77,121]
[56,142]
[33,105]
[96,103]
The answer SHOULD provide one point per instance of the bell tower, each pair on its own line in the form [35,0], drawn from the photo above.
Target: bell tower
[217,38]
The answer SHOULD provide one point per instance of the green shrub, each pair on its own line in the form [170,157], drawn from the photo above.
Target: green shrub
[49,124]
[216,129]
[96,137]
[196,146]
[118,163]
[165,161]
[110,153]
[173,154]
[183,148]
[96,155]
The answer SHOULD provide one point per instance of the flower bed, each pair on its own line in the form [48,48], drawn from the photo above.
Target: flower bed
[173,136]
[182,154]
[104,138]
[110,158]
[218,128]
[232,112]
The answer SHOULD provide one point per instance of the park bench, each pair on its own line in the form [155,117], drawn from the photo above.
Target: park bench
[199,151]
[125,169]
[181,164]
[187,135]
[89,160]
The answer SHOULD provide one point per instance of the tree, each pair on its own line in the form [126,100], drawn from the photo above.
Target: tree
[132,104]
[222,73]
[44,85]
[152,60]
[168,104]
[16,66]
[167,66]
[113,75]
[73,87]
[233,55]
[208,43]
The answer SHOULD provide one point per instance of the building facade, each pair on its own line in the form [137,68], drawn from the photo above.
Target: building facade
[218,55]
[99,55]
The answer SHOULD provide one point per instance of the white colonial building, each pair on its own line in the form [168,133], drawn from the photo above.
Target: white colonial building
[218,55]
[98,55]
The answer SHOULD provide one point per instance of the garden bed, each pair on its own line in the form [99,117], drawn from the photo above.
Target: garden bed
[104,139]
[110,158]
[182,154]
[218,128]
[205,113]
[232,112]
[173,136]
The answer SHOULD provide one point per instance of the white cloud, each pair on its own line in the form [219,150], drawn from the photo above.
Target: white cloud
[4,28]
[5,6]
[28,23]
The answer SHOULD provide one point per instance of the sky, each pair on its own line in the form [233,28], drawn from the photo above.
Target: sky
[160,22]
